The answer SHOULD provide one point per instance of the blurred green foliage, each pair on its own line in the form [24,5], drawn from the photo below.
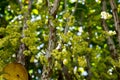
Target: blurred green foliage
[85,43]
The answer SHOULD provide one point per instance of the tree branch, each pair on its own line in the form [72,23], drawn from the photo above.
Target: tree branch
[20,55]
[88,67]
[47,69]
[116,18]
[117,27]
[66,26]
[20,4]
[55,7]
[110,41]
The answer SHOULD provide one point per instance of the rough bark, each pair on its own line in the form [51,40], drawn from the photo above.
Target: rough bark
[88,68]
[117,28]
[22,47]
[116,18]
[47,69]
[88,57]
[20,56]
[110,41]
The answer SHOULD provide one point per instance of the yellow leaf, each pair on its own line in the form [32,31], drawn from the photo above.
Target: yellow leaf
[32,59]
[15,71]
[66,15]
[35,11]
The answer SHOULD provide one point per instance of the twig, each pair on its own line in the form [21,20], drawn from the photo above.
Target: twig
[20,4]
[66,27]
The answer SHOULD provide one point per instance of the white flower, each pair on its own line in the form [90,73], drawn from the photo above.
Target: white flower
[72,1]
[84,73]
[98,1]
[111,32]
[58,47]
[75,69]
[105,15]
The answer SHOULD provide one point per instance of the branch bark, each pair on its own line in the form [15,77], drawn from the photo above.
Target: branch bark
[20,55]
[66,27]
[116,18]
[54,9]
[117,27]
[47,69]
[88,68]
[110,41]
